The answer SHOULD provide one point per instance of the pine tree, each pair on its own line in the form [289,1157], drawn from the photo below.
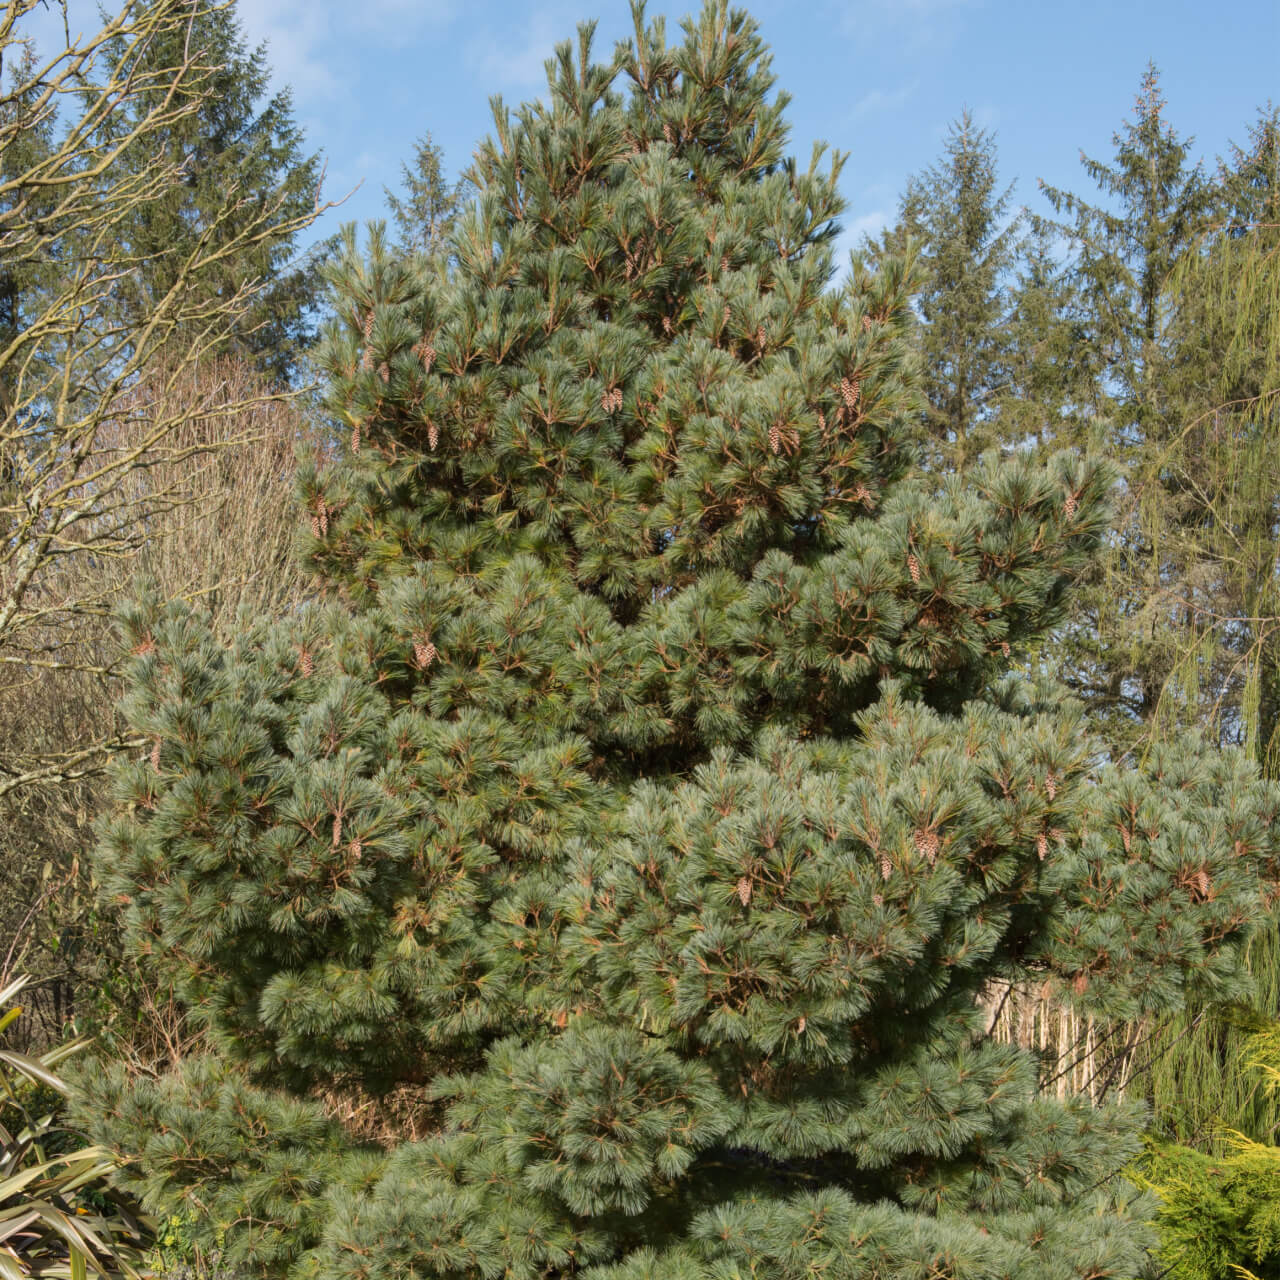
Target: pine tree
[1155,206]
[602,879]
[27,133]
[1222,552]
[958,216]
[425,213]
[242,155]
[1054,394]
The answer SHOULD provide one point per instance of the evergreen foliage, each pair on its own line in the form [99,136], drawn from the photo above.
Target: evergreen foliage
[1213,499]
[1220,1212]
[424,215]
[59,1216]
[957,214]
[240,152]
[647,804]
[1154,208]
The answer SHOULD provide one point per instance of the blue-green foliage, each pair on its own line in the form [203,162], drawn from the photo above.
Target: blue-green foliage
[647,800]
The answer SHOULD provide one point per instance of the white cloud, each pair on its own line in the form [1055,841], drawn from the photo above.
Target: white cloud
[515,60]
[307,40]
[295,33]
[850,238]
[878,100]
[914,24]
[866,224]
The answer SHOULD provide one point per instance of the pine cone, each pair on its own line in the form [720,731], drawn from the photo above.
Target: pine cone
[1069,506]
[427,354]
[822,421]
[306,663]
[885,866]
[155,756]
[927,844]
[356,849]
[744,891]
[384,371]
[775,436]
[433,435]
[1050,785]
[666,324]
[913,566]
[850,390]
[355,438]
[866,324]
[337,829]
[1042,846]
[424,653]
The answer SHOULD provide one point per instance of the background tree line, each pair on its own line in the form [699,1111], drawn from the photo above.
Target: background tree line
[1139,317]
[156,319]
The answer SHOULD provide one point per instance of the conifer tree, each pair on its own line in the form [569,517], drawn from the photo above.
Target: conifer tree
[1221,552]
[27,125]
[1053,395]
[636,822]
[958,216]
[424,214]
[1154,207]
[241,153]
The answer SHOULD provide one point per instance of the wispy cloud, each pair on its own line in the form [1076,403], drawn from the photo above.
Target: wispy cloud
[915,23]
[295,33]
[878,100]
[307,39]
[866,224]
[514,60]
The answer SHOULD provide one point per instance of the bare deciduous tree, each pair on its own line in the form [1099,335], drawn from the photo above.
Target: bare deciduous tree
[126,444]
[70,477]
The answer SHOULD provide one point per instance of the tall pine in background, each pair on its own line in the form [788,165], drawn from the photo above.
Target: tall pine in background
[1153,206]
[604,879]
[429,204]
[959,217]
[241,153]
[1222,537]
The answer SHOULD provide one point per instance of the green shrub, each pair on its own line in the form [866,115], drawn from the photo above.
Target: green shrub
[59,1216]
[1220,1214]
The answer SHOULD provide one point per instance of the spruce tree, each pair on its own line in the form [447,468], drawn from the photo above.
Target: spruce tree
[424,214]
[245,168]
[1154,207]
[1220,546]
[958,217]
[601,879]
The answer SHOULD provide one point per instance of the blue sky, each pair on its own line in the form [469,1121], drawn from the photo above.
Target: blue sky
[880,79]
